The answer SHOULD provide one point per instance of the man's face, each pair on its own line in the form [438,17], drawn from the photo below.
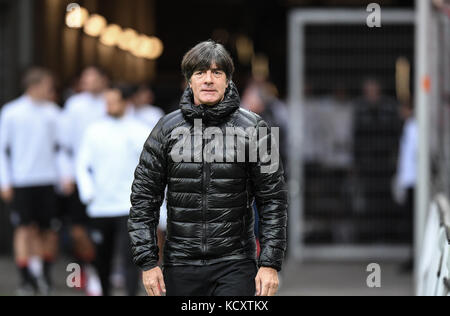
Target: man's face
[144,97]
[252,101]
[372,91]
[405,112]
[116,106]
[44,90]
[209,86]
[92,81]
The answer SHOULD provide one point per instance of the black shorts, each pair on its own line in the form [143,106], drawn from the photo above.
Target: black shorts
[73,210]
[34,205]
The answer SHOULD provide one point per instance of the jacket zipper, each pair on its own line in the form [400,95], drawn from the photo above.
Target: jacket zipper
[205,206]
[204,199]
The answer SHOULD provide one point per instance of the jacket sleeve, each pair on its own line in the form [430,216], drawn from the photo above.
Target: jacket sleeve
[146,198]
[270,192]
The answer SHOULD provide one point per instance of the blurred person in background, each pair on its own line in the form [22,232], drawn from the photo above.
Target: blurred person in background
[337,128]
[148,114]
[261,98]
[73,88]
[144,110]
[139,105]
[80,111]
[406,177]
[29,161]
[376,134]
[109,153]
[332,121]
[312,128]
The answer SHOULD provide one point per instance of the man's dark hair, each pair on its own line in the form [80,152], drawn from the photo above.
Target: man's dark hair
[34,76]
[100,70]
[409,104]
[126,90]
[202,56]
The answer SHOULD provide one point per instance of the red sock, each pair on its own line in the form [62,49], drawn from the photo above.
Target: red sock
[22,263]
[49,258]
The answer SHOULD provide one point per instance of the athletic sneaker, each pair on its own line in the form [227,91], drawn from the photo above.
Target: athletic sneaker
[93,286]
[43,286]
[26,289]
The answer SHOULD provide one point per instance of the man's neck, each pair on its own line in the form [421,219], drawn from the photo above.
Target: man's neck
[116,116]
[95,94]
[33,97]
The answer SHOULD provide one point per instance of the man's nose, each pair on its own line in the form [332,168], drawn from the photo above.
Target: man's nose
[208,77]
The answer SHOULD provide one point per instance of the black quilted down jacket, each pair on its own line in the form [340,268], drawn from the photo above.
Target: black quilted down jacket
[209,205]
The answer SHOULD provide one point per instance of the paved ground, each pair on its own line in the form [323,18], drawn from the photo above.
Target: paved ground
[307,279]
[342,279]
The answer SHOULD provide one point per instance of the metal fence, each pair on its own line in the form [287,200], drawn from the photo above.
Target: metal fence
[344,152]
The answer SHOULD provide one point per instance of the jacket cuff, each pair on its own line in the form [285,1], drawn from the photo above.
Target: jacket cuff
[269,265]
[271,257]
[149,266]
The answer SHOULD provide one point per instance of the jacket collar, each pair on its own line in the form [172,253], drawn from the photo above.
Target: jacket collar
[211,114]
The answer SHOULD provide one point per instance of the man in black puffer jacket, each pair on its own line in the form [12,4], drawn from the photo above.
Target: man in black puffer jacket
[210,248]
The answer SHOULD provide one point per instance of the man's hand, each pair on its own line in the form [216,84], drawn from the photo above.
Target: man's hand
[267,282]
[7,195]
[68,187]
[154,282]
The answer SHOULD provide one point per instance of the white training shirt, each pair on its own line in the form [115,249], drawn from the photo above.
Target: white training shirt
[29,131]
[148,115]
[407,174]
[107,159]
[80,111]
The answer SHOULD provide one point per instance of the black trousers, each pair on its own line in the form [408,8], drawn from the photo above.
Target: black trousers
[409,209]
[232,278]
[106,233]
